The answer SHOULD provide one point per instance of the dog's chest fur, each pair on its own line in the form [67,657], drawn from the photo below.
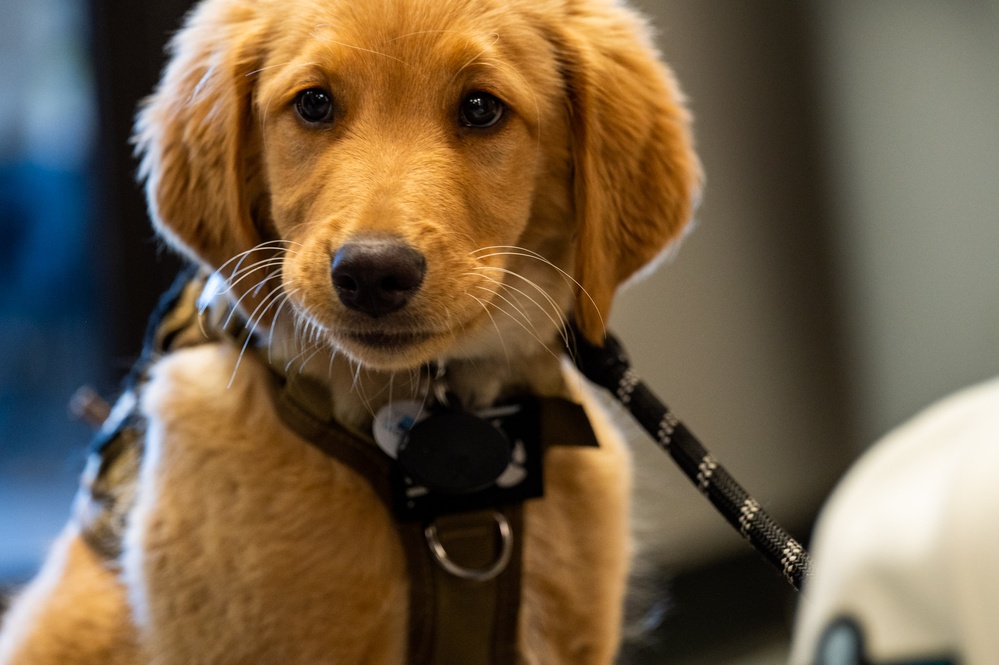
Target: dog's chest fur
[248,533]
[244,532]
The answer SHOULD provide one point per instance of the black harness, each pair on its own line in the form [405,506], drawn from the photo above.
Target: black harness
[461,525]
[456,486]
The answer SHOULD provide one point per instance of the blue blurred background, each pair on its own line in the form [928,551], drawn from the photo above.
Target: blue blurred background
[843,272]
[51,330]
[78,263]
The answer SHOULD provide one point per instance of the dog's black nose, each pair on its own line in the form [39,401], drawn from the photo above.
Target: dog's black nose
[377,276]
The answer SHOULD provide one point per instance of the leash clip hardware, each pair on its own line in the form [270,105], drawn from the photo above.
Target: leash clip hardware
[474,575]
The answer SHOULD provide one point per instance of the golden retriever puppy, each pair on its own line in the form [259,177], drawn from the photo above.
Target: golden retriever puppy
[409,199]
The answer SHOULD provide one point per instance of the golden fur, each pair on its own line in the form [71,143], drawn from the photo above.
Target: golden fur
[247,544]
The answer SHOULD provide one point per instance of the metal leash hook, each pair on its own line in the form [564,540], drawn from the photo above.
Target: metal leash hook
[608,367]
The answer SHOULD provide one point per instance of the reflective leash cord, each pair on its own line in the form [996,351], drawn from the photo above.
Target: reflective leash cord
[608,367]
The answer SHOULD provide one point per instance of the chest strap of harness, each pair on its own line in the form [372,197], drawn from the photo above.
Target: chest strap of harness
[465,566]
[464,553]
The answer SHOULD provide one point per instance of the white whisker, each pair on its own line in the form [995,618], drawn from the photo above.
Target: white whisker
[300,354]
[252,323]
[267,245]
[265,264]
[516,307]
[236,305]
[318,346]
[499,334]
[529,254]
[277,313]
[522,324]
[560,324]
[278,295]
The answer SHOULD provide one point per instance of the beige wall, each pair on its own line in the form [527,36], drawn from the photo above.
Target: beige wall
[911,104]
[843,271]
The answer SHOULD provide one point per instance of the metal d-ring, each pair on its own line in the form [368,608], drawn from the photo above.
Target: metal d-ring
[475,575]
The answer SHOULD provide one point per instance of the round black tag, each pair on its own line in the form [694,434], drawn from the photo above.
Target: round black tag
[454,452]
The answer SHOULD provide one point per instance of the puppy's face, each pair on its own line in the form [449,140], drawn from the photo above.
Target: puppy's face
[406,153]
[423,178]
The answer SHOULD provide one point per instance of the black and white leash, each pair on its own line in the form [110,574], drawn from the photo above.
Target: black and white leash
[609,368]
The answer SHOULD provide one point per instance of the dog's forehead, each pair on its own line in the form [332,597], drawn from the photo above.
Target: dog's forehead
[415,50]
[411,33]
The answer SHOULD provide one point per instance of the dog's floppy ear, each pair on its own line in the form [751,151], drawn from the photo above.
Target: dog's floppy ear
[635,172]
[197,140]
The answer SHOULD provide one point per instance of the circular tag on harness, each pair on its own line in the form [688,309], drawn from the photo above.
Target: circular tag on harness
[454,452]
[393,421]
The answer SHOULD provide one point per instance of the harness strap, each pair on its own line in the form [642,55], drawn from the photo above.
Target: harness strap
[465,567]
[464,607]
[457,621]
[305,407]
[480,615]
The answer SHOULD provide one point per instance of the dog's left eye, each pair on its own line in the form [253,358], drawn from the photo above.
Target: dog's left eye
[481,110]
[314,105]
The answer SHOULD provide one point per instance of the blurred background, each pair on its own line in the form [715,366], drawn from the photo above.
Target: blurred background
[842,275]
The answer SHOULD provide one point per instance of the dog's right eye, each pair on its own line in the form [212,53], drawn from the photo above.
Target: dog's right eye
[314,105]
[480,110]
